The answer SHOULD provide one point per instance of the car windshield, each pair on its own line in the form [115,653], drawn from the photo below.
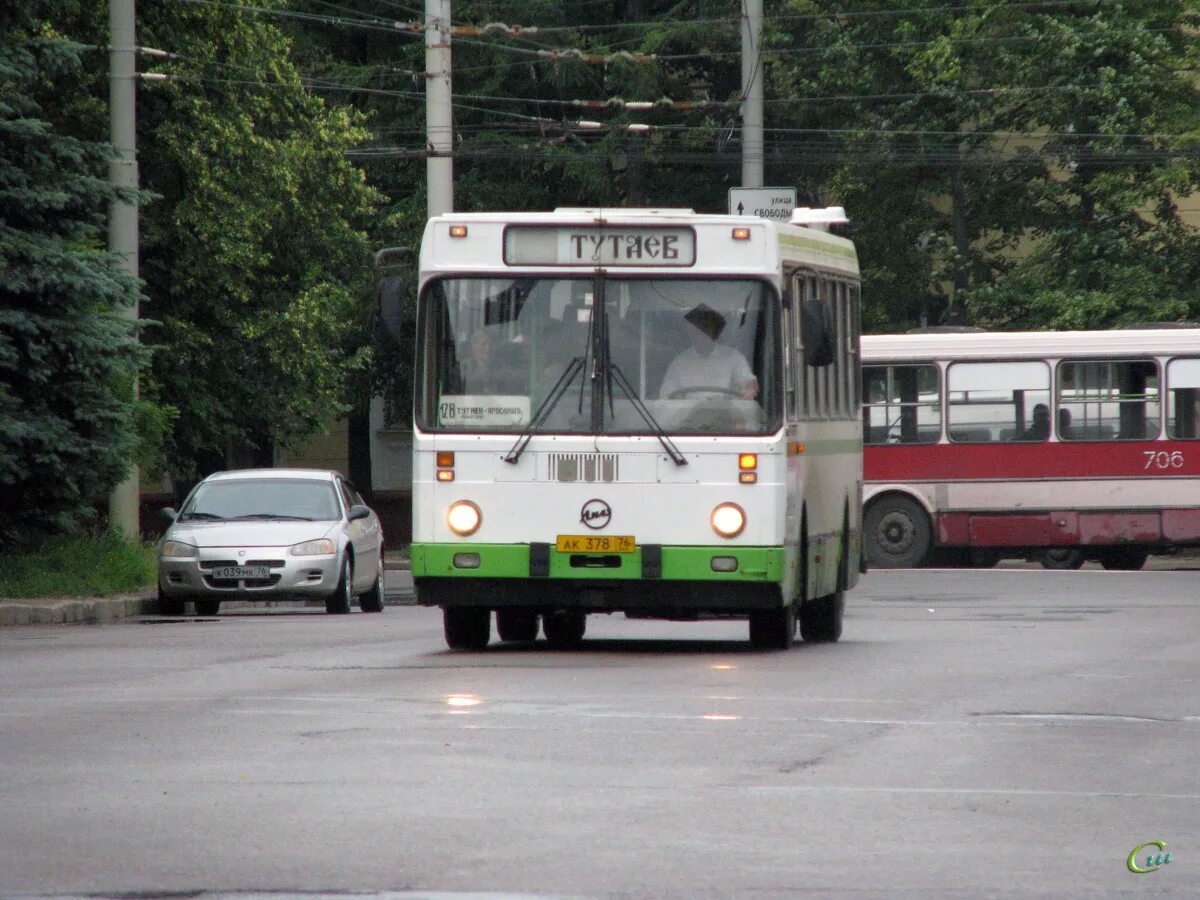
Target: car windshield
[264,498]
[688,355]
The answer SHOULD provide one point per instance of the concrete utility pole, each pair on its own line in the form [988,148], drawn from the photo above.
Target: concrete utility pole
[123,216]
[439,121]
[752,94]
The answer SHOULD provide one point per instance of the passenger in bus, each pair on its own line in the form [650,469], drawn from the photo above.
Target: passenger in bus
[1039,427]
[1064,425]
[486,368]
[707,364]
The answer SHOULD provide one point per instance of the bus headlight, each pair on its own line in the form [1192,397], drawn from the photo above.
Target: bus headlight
[728,520]
[463,517]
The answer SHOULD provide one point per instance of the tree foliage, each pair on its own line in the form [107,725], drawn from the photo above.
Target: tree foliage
[256,257]
[68,356]
[1017,165]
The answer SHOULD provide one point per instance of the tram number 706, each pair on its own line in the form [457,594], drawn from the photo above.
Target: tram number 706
[1161,459]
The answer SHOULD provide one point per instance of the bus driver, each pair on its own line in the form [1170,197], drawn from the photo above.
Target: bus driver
[707,365]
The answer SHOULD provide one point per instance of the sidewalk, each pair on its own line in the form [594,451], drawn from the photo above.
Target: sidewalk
[92,610]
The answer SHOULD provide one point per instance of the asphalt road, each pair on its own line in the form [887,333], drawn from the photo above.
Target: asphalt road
[977,733]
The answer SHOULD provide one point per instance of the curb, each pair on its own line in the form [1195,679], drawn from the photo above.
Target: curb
[65,612]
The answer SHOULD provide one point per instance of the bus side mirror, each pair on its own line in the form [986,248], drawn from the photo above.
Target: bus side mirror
[393,275]
[816,334]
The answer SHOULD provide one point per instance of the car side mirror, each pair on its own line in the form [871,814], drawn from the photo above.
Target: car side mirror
[168,513]
[816,334]
[358,511]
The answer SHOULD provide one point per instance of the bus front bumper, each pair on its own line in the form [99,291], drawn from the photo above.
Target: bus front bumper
[653,577]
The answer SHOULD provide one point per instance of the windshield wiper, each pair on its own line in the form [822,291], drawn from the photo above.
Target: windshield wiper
[544,409]
[274,516]
[201,515]
[616,375]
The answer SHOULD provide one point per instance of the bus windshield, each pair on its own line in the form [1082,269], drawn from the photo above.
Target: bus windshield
[628,356]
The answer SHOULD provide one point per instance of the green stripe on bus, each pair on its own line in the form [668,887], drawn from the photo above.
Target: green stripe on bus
[801,243]
[757,564]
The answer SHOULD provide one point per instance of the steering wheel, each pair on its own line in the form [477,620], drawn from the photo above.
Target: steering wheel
[680,393]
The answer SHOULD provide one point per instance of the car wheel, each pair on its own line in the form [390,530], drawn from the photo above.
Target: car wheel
[517,625]
[208,607]
[372,600]
[565,628]
[898,533]
[338,603]
[467,627]
[169,606]
[1060,558]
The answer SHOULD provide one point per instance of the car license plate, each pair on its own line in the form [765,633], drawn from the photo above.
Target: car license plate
[241,572]
[595,543]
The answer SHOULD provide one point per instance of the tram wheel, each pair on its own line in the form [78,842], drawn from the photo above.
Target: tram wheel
[517,625]
[898,533]
[1124,558]
[467,627]
[773,629]
[1060,558]
[564,628]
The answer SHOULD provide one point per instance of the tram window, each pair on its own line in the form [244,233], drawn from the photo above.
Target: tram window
[1110,400]
[901,404]
[998,401]
[1183,399]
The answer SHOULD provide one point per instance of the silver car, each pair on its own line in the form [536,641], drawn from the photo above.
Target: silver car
[271,534]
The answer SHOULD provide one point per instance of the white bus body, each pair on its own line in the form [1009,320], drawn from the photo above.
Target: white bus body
[551,479]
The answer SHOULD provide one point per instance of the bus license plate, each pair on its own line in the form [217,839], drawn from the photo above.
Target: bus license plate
[596,543]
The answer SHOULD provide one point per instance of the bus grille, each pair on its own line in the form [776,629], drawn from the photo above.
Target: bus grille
[583,466]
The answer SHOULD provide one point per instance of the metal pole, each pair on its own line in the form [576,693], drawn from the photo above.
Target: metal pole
[439,125]
[752,94]
[122,215]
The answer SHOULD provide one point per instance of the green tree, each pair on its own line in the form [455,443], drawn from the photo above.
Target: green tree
[256,257]
[68,357]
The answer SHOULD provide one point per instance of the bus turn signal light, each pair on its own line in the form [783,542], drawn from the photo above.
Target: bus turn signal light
[445,459]
[747,461]
[741,234]
[458,231]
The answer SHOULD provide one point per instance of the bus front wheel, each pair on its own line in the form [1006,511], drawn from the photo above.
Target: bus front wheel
[564,628]
[773,629]
[517,625]
[467,627]
[898,533]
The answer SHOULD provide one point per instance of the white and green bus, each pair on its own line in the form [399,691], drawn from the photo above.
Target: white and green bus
[642,411]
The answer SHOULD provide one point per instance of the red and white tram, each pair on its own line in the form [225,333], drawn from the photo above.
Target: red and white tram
[1059,446]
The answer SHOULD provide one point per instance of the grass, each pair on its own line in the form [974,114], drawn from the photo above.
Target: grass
[95,566]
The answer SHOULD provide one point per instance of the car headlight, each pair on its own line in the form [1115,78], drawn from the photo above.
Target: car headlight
[464,517]
[177,550]
[322,547]
[728,520]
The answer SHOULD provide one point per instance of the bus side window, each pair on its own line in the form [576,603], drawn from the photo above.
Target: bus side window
[1110,400]
[1183,401]
[800,372]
